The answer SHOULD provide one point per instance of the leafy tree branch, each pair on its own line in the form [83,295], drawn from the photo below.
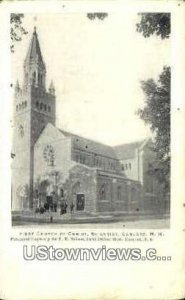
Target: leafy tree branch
[17,30]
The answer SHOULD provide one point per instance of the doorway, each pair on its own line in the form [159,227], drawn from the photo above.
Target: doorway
[80,202]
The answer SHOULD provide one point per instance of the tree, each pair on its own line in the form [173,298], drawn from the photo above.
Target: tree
[100,16]
[154,23]
[156,113]
[16,30]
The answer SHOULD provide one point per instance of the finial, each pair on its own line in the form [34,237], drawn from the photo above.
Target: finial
[17,85]
[35,29]
[52,88]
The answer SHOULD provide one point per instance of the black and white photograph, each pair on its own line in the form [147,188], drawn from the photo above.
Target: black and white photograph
[92,141]
[91,119]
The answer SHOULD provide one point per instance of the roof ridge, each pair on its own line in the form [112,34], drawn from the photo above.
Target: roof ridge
[131,143]
[83,137]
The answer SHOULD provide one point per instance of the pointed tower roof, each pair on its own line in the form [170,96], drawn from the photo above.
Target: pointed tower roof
[17,86]
[52,88]
[34,52]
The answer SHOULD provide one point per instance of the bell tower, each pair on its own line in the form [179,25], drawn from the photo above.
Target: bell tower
[34,67]
[34,108]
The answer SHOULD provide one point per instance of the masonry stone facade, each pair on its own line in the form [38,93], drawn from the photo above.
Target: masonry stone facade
[52,165]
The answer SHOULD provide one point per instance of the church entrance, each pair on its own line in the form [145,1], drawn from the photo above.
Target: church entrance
[80,202]
[78,196]
[49,200]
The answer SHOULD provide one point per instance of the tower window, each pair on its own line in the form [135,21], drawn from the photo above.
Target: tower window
[17,107]
[41,106]
[25,103]
[40,79]
[26,77]
[34,78]
[45,107]
[37,104]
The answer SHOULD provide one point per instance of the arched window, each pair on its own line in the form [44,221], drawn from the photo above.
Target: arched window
[61,192]
[25,103]
[26,77]
[34,78]
[102,192]
[49,108]
[77,157]
[45,107]
[37,104]
[17,107]
[98,162]
[119,193]
[82,158]
[133,194]
[41,106]
[40,79]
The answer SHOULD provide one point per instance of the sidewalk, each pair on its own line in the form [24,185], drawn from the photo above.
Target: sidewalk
[75,218]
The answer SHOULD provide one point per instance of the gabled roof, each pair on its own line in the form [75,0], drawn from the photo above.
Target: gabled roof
[127,151]
[88,145]
[34,52]
[120,152]
[52,133]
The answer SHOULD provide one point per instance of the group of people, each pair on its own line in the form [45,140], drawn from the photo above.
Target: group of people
[53,207]
[63,207]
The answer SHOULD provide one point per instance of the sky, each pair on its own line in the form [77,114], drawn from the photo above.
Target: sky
[96,67]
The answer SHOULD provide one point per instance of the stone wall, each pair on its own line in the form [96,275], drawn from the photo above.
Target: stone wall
[83,180]
[117,193]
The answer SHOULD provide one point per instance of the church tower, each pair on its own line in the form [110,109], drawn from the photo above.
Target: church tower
[34,107]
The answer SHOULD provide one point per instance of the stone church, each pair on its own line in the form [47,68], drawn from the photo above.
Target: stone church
[50,164]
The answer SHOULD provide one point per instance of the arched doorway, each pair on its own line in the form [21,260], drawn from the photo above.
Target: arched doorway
[23,197]
[78,197]
[45,193]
